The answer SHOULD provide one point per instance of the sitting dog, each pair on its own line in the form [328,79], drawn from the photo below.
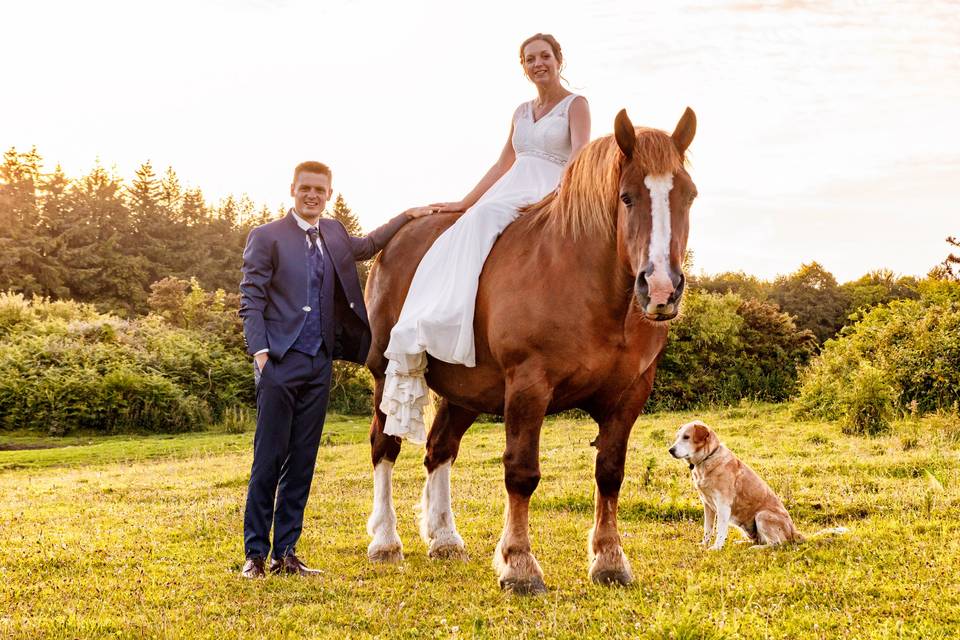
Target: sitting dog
[732,493]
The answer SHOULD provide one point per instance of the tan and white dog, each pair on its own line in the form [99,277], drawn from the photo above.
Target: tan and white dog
[732,492]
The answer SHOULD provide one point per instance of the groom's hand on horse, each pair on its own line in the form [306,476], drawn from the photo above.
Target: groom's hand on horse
[417,212]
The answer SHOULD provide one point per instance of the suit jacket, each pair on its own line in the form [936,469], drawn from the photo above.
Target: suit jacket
[274,297]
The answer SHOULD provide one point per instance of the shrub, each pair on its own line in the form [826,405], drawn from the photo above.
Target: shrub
[724,348]
[867,403]
[907,350]
[351,389]
[67,367]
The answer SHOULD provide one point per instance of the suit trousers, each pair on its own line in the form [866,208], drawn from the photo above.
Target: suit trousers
[292,396]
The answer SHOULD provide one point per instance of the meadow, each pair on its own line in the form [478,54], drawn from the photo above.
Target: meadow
[141,536]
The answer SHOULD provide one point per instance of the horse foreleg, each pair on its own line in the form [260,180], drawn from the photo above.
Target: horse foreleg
[437,526]
[516,566]
[385,545]
[608,562]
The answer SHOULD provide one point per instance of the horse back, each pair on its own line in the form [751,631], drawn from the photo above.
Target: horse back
[391,275]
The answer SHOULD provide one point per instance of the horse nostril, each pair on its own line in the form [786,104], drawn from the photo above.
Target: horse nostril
[678,289]
[641,284]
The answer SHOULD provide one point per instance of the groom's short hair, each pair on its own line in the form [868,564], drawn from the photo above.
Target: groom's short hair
[311,166]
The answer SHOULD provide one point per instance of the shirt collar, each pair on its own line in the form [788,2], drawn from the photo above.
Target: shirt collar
[303,224]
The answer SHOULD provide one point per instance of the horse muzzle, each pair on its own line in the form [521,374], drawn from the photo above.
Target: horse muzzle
[659,294]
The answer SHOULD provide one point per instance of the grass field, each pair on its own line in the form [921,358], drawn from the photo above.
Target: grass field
[142,537]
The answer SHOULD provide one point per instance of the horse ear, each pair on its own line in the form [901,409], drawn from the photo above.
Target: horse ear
[686,129]
[625,134]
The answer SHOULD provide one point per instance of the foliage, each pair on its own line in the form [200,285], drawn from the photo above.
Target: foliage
[70,368]
[342,213]
[811,295]
[103,240]
[740,283]
[724,348]
[867,402]
[351,389]
[907,351]
[186,305]
[949,269]
[878,288]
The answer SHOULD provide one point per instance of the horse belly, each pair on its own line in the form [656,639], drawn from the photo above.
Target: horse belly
[479,388]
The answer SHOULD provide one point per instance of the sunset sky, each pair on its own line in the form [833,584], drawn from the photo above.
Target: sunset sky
[827,131]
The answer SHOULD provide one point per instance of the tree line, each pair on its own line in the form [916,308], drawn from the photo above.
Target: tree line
[104,240]
[139,278]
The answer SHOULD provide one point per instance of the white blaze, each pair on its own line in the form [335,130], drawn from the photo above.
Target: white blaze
[659,251]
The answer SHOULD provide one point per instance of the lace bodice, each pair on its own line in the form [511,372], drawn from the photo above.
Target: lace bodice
[548,137]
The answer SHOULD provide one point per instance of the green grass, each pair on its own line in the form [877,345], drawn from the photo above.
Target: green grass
[142,537]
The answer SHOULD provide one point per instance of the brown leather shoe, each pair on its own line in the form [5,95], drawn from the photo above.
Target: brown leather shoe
[253,568]
[291,565]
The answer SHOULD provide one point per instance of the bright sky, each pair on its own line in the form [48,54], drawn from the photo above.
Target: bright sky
[827,131]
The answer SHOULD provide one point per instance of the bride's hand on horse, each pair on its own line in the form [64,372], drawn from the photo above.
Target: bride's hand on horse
[449,207]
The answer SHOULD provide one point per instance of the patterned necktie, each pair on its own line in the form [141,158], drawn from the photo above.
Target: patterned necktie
[312,233]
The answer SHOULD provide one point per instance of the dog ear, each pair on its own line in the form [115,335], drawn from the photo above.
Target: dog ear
[700,433]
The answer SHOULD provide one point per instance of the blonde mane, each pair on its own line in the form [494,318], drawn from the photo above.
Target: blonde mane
[588,200]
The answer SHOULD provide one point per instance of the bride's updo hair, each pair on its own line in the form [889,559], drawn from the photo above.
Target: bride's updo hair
[549,39]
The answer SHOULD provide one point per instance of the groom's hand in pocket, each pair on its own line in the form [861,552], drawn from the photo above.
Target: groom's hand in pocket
[261,359]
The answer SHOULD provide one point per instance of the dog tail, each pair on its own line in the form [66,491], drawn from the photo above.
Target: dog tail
[833,531]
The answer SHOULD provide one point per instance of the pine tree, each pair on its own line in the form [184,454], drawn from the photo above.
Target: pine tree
[19,247]
[343,213]
[193,209]
[171,195]
[351,223]
[144,194]
[55,216]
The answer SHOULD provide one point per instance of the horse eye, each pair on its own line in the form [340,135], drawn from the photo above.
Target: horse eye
[626,199]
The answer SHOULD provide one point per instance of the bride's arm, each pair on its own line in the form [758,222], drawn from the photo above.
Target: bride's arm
[579,125]
[579,130]
[503,164]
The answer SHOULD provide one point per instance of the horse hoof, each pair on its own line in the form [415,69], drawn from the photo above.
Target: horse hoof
[524,587]
[386,556]
[612,578]
[449,552]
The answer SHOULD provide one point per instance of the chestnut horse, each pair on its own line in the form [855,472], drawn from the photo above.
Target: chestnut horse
[572,312]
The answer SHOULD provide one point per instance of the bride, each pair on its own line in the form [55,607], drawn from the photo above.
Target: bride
[437,315]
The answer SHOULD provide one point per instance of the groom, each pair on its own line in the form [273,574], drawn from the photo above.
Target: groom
[302,307]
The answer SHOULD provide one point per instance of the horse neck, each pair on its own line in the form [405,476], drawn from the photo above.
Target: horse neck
[593,261]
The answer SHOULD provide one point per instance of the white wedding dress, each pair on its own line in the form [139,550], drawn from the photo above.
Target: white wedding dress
[437,315]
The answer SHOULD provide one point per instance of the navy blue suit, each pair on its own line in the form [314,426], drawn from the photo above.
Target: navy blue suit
[278,292]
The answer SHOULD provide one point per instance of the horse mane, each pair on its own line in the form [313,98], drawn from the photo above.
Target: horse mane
[586,204]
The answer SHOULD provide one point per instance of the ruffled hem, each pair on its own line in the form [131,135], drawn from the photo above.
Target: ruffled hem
[404,397]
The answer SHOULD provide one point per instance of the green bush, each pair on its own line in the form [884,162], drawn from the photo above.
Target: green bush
[351,389]
[67,367]
[867,402]
[907,351]
[724,348]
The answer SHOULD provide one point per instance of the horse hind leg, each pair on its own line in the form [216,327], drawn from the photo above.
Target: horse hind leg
[517,568]
[608,562]
[437,526]
[385,545]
